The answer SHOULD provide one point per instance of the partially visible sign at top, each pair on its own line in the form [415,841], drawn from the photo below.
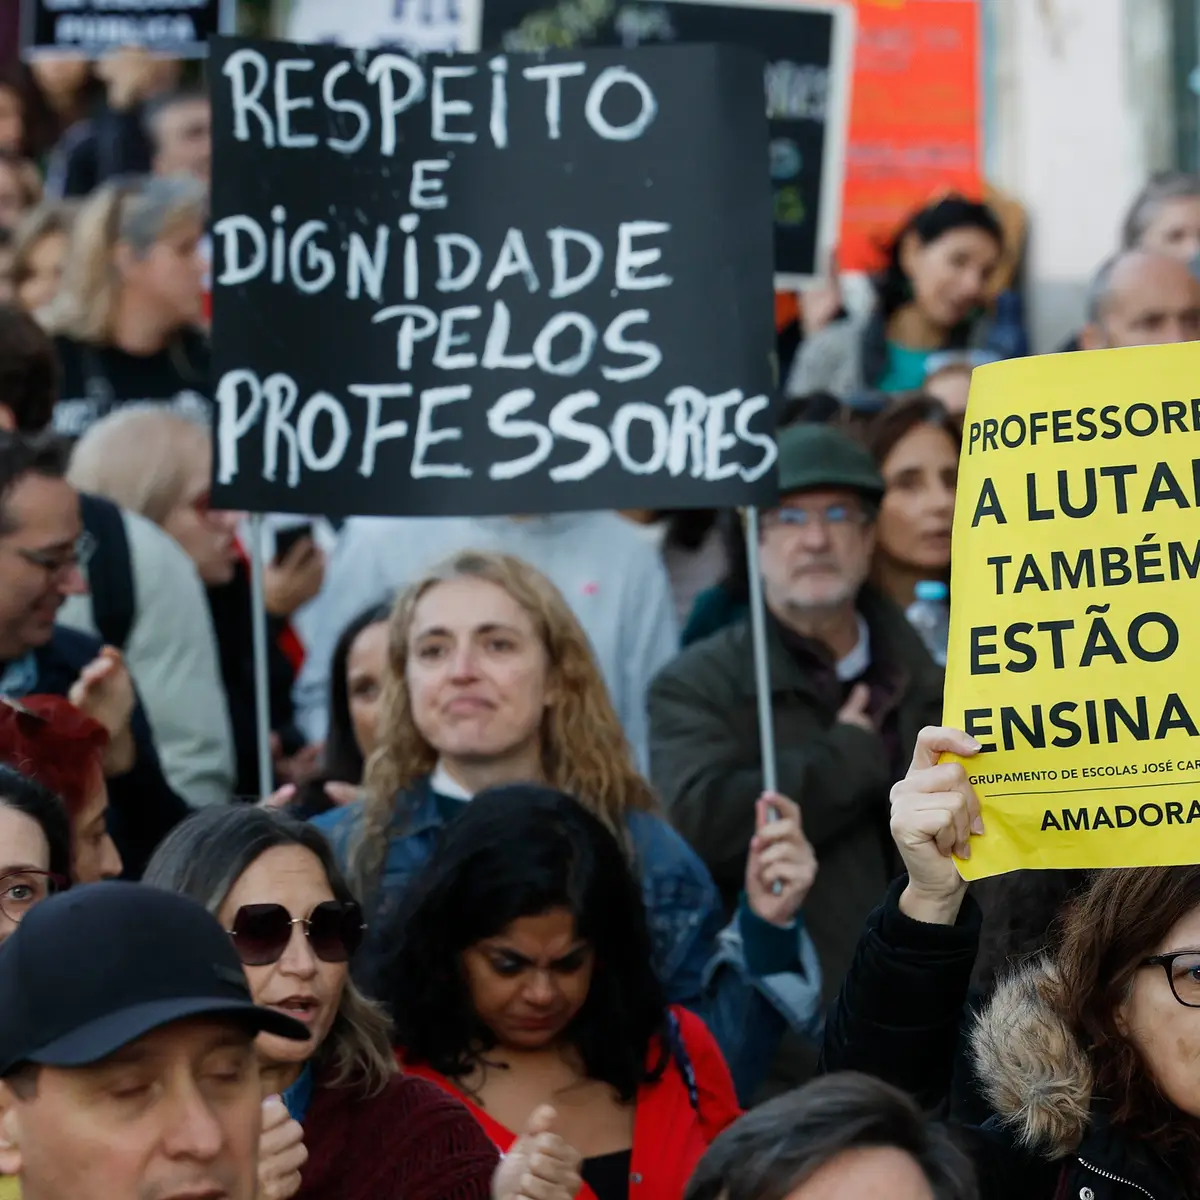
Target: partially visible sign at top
[808,47]
[914,118]
[179,28]
[416,26]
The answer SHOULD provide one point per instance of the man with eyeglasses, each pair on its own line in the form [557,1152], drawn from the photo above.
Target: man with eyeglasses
[144,595]
[43,549]
[851,686]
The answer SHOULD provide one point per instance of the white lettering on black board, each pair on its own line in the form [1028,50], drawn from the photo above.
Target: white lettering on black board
[487,284]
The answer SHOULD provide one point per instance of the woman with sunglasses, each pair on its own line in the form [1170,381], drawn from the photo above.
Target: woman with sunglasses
[521,973]
[49,740]
[1086,1054]
[35,847]
[347,1124]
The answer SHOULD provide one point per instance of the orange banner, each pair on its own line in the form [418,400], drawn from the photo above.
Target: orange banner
[914,117]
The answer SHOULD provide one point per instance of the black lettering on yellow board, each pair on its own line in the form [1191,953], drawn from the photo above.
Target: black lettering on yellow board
[1120,816]
[1095,722]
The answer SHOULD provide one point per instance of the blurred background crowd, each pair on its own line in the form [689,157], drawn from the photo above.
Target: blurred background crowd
[603,654]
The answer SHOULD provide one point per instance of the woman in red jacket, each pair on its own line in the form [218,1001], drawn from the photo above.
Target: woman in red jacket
[521,975]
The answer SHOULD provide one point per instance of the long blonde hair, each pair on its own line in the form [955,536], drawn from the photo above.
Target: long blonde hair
[138,212]
[583,747]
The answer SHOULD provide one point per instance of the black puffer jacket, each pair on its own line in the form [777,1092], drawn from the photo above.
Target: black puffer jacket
[900,1016]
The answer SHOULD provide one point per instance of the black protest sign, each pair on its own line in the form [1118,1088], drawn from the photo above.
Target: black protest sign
[808,51]
[490,284]
[180,28]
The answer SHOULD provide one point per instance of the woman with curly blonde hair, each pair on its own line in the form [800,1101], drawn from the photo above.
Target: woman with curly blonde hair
[490,680]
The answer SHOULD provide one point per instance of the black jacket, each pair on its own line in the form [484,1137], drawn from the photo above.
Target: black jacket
[900,1016]
[142,807]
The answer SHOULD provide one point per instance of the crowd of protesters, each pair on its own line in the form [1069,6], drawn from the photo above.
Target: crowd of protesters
[519,918]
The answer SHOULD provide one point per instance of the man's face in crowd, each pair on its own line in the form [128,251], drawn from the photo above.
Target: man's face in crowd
[38,568]
[1153,300]
[868,1173]
[175,1114]
[816,551]
[183,139]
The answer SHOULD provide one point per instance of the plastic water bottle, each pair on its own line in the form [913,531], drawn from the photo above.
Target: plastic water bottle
[929,615]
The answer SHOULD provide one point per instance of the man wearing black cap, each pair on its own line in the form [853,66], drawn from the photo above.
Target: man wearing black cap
[127,1065]
[851,685]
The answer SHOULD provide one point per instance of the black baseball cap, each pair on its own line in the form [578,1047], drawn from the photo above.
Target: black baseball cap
[97,967]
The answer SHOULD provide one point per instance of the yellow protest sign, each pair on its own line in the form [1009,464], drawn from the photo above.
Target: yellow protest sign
[1074,654]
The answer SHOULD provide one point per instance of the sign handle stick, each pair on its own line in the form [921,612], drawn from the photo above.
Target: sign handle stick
[258,620]
[762,670]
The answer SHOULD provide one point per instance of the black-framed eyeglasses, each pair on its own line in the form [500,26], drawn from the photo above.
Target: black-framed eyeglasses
[261,932]
[1183,974]
[78,556]
[22,888]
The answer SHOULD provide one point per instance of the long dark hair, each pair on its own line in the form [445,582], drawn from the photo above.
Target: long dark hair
[892,285]
[1107,934]
[515,852]
[343,757]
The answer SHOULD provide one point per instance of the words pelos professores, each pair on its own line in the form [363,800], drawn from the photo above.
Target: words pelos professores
[288,105]
[1088,637]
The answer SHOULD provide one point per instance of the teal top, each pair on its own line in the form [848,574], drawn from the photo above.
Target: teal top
[905,368]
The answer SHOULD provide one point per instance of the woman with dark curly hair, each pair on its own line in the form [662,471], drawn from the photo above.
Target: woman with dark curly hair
[521,974]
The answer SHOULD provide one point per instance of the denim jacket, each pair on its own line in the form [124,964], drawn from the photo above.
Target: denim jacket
[749,980]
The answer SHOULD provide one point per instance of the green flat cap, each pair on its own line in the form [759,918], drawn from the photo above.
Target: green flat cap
[814,455]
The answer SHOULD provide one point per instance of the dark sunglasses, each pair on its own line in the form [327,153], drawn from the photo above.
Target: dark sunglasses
[261,932]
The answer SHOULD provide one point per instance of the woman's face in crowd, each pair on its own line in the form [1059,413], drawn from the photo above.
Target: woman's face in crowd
[94,856]
[12,195]
[12,120]
[299,984]
[528,982]
[23,846]
[366,667]
[950,274]
[208,536]
[917,513]
[1175,230]
[43,272]
[1165,1032]
[477,671]
[171,274]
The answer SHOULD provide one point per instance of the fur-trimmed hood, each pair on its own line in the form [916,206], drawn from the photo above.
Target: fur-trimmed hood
[1031,1069]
